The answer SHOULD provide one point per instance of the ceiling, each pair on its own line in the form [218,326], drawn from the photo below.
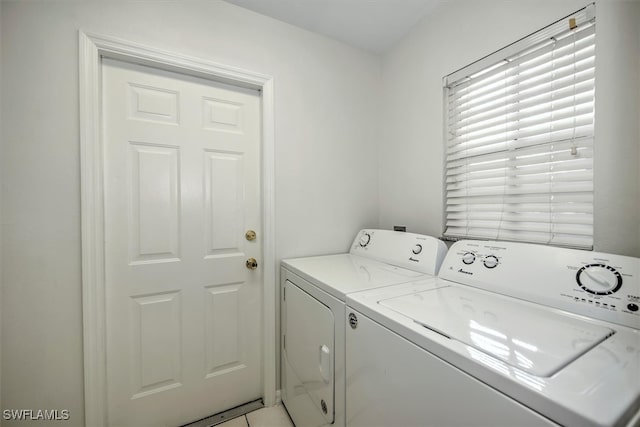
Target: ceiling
[372,25]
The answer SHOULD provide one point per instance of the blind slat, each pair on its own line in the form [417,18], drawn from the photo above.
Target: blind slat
[555,101]
[514,199]
[574,176]
[521,90]
[517,72]
[528,155]
[558,239]
[582,229]
[549,206]
[538,217]
[581,115]
[516,100]
[578,164]
[559,187]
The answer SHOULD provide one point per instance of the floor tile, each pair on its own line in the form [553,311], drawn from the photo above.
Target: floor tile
[236,422]
[275,416]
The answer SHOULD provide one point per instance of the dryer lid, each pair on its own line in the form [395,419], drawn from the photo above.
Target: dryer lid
[531,338]
[342,274]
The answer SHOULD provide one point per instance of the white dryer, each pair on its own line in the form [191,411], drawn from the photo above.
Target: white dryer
[313,292]
[509,334]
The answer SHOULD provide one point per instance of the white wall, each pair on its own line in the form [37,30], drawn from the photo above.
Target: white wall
[617,143]
[326,96]
[460,32]
[1,224]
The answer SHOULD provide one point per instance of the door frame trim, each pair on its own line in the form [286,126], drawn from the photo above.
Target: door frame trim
[92,48]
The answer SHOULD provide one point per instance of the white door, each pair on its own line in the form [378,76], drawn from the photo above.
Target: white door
[183,311]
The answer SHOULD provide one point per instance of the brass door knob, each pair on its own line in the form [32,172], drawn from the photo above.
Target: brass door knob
[250,235]
[251,264]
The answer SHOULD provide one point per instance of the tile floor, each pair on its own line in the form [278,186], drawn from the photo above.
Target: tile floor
[276,416]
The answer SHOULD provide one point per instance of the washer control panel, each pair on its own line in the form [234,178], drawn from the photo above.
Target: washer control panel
[595,284]
[408,250]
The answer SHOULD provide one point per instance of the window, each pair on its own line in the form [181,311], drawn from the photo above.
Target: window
[519,139]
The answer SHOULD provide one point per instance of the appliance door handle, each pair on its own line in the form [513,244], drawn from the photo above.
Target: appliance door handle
[325,363]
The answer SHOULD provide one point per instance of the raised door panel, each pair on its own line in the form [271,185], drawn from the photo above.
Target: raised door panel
[155,210]
[223,329]
[153,104]
[156,339]
[223,115]
[224,201]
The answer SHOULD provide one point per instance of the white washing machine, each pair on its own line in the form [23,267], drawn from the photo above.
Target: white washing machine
[313,294]
[508,334]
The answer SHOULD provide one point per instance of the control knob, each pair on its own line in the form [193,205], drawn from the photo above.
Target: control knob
[468,258]
[417,248]
[599,279]
[365,239]
[490,261]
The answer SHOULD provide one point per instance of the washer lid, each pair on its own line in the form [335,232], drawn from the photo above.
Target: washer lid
[531,338]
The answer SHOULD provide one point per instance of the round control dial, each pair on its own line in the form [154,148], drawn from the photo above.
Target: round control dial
[468,258]
[417,248]
[599,279]
[491,261]
[365,239]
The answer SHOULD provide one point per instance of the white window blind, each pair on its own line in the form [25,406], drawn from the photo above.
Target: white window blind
[520,136]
